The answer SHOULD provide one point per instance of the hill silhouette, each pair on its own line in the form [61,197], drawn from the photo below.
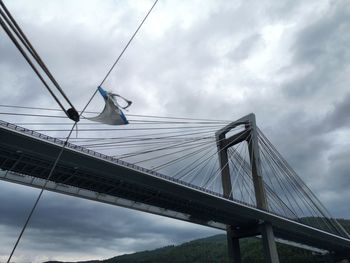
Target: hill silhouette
[214,250]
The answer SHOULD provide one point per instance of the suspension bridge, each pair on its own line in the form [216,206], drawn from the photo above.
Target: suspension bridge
[215,173]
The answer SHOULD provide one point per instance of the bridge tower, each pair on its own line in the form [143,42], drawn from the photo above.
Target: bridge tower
[234,233]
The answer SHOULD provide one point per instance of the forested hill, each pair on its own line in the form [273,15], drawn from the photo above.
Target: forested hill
[214,249]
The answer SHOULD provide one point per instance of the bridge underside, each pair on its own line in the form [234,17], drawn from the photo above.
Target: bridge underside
[31,156]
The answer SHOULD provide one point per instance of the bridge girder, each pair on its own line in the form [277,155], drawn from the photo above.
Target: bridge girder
[31,154]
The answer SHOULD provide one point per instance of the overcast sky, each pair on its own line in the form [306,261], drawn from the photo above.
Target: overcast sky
[287,61]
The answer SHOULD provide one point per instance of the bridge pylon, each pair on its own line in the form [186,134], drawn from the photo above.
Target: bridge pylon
[248,133]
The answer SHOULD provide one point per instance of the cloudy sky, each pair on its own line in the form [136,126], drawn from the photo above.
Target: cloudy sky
[287,61]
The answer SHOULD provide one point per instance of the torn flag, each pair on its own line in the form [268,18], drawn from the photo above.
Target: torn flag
[111,113]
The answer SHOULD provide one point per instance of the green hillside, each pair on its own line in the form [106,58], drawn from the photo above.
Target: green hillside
[211,250]
[214,249]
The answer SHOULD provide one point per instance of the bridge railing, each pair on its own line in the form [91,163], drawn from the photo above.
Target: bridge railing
[84,150]
[116,161]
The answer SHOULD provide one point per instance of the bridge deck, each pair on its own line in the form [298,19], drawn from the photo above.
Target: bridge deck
[32,154]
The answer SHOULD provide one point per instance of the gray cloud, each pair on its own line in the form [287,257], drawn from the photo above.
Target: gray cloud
[245,47]
[339,170]
[198,60]
[339,116]
[66,225]
[322,46]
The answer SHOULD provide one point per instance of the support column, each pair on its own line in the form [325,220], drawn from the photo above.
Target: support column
[269,244]
[255,162]
[250,135]
[268,237]
[233,248]
[224,166]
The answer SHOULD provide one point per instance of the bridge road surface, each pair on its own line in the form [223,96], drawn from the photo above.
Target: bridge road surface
[31,155]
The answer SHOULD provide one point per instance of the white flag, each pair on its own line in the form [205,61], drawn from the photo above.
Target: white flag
[111,113]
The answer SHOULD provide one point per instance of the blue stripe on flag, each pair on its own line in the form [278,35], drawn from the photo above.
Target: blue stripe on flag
[103,92]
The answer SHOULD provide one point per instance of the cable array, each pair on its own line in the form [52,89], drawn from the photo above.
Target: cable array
[290,188]
[186,149]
